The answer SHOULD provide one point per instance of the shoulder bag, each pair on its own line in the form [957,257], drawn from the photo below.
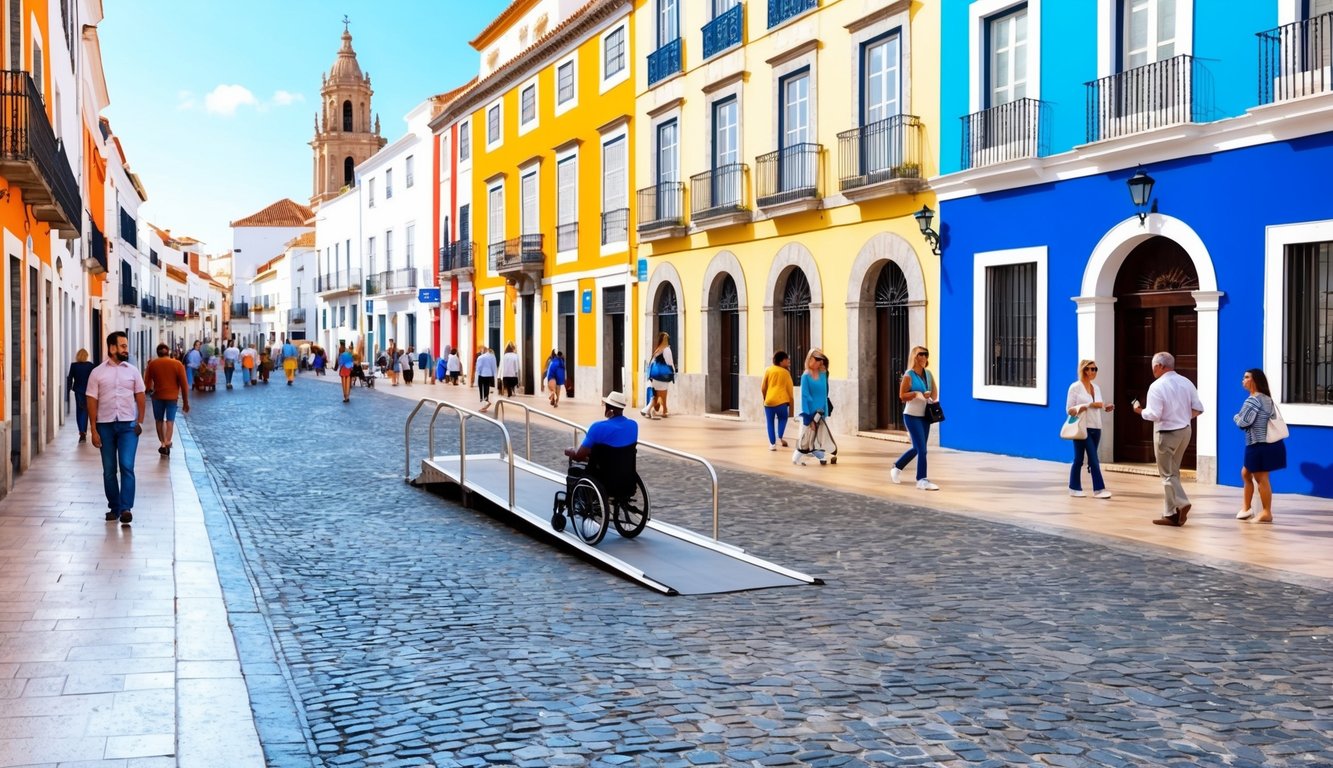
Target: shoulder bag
[1073,429]
[934,413]
[1277,426]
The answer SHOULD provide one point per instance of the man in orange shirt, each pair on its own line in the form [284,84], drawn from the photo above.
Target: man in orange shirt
[166,382]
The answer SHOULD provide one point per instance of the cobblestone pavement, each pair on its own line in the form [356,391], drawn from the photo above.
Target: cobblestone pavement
[416,632]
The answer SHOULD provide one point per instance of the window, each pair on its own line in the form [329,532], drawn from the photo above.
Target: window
[370,254]
[668,152]
[1307,344]
[528,105]
[347,116]
[528,202]
[668,22]
[613,55]
[1149,32]
[720,7]
[495,214]
[388,250]
[370,192]
[795,115]
[726,133]
[410,246]
[411,165]
[795,316]
[464,142]
[388,184]
[564,79]
[880,83]
[615,192]
[1007,58]
[354,317]
[493,125]
[1009,325]
[566,204]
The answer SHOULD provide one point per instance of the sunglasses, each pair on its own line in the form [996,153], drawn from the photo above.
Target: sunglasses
[923,354]
[1091,368]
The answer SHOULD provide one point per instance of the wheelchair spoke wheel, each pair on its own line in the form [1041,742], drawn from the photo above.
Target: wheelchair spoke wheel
[632,513]
[587,512]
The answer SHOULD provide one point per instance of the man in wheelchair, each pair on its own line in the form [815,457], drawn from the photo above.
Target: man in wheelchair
[607,452]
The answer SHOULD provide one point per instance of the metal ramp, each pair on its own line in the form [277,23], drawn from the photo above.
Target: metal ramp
[667,558]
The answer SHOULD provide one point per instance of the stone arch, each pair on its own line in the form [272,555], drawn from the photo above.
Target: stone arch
[881,248]
[724,263]
[788,257]
[1096,317]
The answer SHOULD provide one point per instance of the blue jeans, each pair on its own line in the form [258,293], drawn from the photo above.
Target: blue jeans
[245,376]
[119,444]
[189,377]
[1087,447]
[81,412]
[776,416]
[228,371]
[919,431]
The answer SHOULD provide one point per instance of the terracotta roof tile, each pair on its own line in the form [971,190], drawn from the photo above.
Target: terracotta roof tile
[303,240]
[284,213]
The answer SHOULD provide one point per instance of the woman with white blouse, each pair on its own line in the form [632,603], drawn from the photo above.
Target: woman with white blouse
[1085,401]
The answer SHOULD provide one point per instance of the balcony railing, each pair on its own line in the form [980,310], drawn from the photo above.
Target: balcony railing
[391,281]
[615,226]
[1295,59]
[726,30]
[1141,99]
[457,256]
[95,261]
[32,159]
[1013,131]
[240,308]
[517,252]
[662,205]
[129,296]
[881,151]
[296,316]
[567,236]
[664,62]
[148,305]
[129,228]
[347,280]
[719,192]
[781,10]
[791,173]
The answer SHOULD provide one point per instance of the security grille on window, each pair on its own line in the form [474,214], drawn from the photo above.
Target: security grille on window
[1307,347]
[615,52]
[1011,325]
[796,319]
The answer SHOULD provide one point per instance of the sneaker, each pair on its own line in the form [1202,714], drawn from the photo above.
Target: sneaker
[1244,514]
[772,446]
[797,458]
[644,410]
[1077,494]
[112,516]
[1102,494]
[926,485]
[126,517]
[896,475]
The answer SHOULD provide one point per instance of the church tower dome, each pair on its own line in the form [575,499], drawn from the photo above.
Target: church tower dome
[345,134]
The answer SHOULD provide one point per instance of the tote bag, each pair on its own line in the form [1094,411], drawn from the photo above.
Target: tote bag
[1073,429]
[1277,426]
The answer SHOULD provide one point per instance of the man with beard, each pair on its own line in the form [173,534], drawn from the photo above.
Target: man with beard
[116,405]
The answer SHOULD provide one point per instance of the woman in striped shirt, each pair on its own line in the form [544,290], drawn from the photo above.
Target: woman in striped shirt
[1261,456]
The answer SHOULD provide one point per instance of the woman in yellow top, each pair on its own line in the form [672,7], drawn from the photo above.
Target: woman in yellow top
[778,398]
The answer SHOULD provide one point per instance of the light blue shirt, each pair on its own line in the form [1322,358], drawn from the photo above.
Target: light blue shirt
[814,394]
[486,365]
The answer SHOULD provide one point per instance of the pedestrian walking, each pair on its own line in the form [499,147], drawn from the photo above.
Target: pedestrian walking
[265,364]
[289,360]
[814,408]
[1261,456]
[193,359]
[427,365]
[455,367]
[776,389]
[485,372]
[661,373]
[509,367]
[230,357]
[319,360]
[1173,403]
[249,362]
[116,407]
[555,377]
[917,390]
[1085,402]
[395,365]
[76,384]
[408,362]
[442,370]
[166,383]
[346,362]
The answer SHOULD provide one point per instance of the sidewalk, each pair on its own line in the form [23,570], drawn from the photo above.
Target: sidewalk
[1026,492]
[114,644]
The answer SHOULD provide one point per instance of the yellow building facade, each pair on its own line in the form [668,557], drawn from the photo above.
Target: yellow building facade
[785,146]
[543,161]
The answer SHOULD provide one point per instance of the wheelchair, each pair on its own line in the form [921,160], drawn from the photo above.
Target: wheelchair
[363,375]
[604,491]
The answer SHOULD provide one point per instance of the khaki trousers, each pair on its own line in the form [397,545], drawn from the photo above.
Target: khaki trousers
[1169,447]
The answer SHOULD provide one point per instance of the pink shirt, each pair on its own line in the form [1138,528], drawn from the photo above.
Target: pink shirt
[113,386]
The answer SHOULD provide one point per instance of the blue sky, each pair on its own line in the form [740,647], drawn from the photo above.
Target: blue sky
[215,101]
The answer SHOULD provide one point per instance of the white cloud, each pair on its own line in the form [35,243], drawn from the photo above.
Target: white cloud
[225,99]
[286,98]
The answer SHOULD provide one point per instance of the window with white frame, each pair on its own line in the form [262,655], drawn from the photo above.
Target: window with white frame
[615,191]
[388,250]
[388,183]
[370,254]
[528,218]
[1007,56]
[668,22]
[566,204]
[1307,367]
[1009,325]
[493,135]
[410,244]
[527,114]
[1149,32]
[495,214]
[615,63]
[370,193]
[410,170]
[566,85]
[464,141]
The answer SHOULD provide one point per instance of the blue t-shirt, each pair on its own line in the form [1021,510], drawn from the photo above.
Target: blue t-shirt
[615,432]
[345,360]
[814,394]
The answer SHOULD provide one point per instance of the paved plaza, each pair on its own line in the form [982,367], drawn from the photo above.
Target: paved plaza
[413,631]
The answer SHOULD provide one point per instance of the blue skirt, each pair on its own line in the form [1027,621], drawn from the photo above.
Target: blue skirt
[1266,457]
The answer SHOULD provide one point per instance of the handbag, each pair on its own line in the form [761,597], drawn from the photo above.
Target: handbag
[1073,429]
[934,413]
[1277,426]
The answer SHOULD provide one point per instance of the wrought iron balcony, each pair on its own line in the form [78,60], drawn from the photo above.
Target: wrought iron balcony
[662,209]
[296,316]
[615,226]
[456,257]
[32,159]
[1013,131]
[391,281]
[881,158]
[1295,59]
[719,193]
[788,175]
[726,30]
[148,305]
[1142,99]
[129,228]
[95,261]
[347,281]
[567,237]
[240,308]
[664,62]
[129,296]
[518,257]
[781,10]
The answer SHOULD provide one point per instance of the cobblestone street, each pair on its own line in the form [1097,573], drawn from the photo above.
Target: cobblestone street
[412,631]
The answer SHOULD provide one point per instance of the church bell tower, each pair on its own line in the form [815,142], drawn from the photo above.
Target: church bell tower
[344,133]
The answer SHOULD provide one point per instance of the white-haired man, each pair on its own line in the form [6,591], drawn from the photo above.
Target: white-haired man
[1173,403]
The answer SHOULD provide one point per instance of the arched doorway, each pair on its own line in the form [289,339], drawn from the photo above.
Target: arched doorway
[729,324]
[891,345]
[795,320]
[666,311]
[1155,311]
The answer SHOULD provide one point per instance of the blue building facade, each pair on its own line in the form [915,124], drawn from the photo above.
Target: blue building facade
[1046,260]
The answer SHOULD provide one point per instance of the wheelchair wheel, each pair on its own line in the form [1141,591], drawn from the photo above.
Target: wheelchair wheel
[632,513]
[587,512]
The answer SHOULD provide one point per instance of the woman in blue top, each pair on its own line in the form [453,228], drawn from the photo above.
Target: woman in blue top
[1261,456]
[814,400]
[76,381]
[555,377]
[916,390]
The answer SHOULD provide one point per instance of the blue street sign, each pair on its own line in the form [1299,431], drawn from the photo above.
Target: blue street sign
[643,270]
[428,295]
[587,301]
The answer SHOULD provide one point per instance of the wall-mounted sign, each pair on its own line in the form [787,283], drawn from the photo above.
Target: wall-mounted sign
[587,301]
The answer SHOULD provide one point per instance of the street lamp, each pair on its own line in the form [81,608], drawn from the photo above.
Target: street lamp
[1140,191]
[923,219]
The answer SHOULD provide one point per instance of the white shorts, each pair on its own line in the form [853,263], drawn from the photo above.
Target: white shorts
[659,386]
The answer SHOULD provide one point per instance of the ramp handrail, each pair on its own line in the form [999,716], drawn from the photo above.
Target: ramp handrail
[463,415]
[501,404]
